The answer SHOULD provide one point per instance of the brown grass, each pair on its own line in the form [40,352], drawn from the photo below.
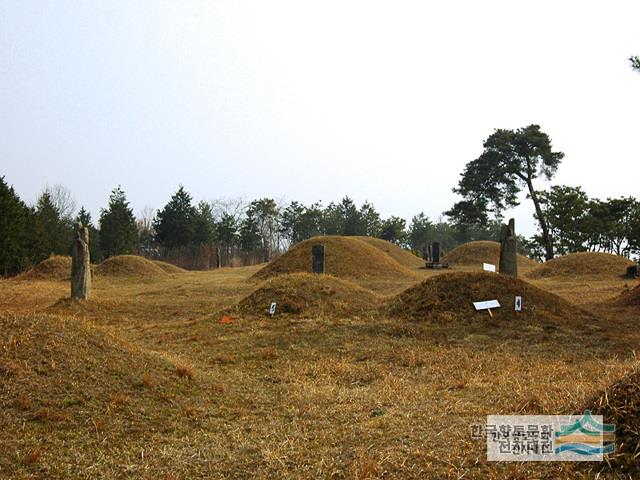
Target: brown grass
[306,294]
[400,255]
[168,267]
[596,264]
[629,298]
[479,252]
[56,267]
[95,386]
[345,257]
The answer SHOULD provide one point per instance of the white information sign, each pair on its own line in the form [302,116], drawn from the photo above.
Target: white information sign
[518,305]
[272,309]
[489,267]
[486,304]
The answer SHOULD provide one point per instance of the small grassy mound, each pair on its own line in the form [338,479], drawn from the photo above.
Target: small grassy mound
[630,298]
[450,296]
[479,252]
[400,255]
[129,266]
[344,257]
[306,294]
[68,387]
[620,404]
[56,267]
[583,264]
[168,267]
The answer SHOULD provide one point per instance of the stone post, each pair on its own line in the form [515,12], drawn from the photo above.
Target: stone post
[80,265]
[317,252]
[435,252]
[509,249]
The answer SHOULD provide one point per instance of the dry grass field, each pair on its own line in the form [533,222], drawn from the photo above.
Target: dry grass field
[146,381]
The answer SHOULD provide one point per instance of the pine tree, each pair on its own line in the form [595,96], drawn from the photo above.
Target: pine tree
[53,233]
[118,233]
[174,224]
[14,231]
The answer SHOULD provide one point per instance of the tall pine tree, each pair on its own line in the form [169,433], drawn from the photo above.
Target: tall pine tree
[14,231]
[175,223]
[118,233]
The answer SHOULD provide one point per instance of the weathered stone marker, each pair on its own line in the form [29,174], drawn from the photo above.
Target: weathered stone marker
[80,265]
[509,249]
[435,252]
[317,252]
[632,271]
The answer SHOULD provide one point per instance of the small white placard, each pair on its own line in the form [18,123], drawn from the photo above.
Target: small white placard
[272,309]
[518,305]
[489,267]
[486,304]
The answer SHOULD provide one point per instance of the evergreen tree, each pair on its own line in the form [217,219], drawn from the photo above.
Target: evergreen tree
[175,223]
[249,233]
[53,234]
[227,231]
[351,221]
[393,230]
[204,225]
[15,225]
[118,232]
[420,233]
[370,223]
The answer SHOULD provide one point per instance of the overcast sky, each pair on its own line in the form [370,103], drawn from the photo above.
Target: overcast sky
[385,101]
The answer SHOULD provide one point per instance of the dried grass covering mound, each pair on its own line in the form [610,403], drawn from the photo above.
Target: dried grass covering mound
[130,266]
[56,267]
[620,404]
[168,267]
[400,255]
[306,294]
[630,298]
[344,257]
[583,264]
[68,387]
[450,296]
[479,252]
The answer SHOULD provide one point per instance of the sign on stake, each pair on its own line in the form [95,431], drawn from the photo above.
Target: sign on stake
[518,305]
[272,309]
[487,305]
[489,267]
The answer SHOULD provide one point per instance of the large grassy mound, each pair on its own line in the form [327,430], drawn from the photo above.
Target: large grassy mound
[69,389]
[450,297]
[479,252]
[583,264]
[168,267]
[306,294]
[400,255]
[130,266]
[56,267]
[345,257]
[630,298]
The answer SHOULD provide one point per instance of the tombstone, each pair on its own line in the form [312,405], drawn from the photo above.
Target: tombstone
[509,249]
[435,252]
[218,259]
[80,265]
[317,252]
[632,271]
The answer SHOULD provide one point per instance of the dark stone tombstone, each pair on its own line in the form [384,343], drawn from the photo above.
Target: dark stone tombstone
[435,252]
[632,271]
[509,249]
[80,265]
[317,252]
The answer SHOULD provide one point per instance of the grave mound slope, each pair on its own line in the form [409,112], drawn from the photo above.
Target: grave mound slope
[583,264]
[56,267]
[168,267]
[619,404]
[60,375]
[400,255]
[306,294]
[129,266]
[481,251]
[450,296]
[345,257]
[630,298]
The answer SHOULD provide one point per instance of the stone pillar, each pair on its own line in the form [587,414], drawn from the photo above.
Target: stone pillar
[435,252]
[509,249]
[80,265]
[317,252]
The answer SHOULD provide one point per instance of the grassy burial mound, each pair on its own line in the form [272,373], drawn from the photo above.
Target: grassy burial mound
[345,257]
[168,267]
[400,255]
[56,267]
[306,294]
[450,296]
[130,266]
[582,264]
[67,388]
[479,252]
[620,404]
[630,298]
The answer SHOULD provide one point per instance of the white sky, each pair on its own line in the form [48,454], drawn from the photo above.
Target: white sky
[384,101]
